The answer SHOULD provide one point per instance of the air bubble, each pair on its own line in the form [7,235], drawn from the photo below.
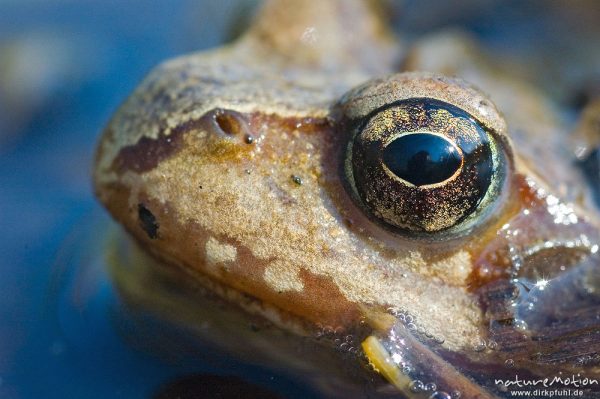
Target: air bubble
[397,358]
[509,363]
[430,387]
[416,386]
[520,325]
[480,346]
[440,395]
[455,395]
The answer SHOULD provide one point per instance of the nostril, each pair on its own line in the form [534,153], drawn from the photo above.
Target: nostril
[230,123]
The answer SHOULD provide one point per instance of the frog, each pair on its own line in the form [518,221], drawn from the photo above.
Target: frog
[320,184]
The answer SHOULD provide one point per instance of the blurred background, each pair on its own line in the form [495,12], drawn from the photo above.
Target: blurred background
[65,66]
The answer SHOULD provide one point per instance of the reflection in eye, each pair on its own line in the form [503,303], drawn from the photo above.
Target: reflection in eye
[422,166]
[422,158]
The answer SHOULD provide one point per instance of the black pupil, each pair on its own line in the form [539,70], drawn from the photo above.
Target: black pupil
[422,158]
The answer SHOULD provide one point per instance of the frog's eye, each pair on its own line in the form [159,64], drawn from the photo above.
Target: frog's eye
[422,165]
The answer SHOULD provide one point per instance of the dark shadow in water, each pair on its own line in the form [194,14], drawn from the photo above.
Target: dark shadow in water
[202,386]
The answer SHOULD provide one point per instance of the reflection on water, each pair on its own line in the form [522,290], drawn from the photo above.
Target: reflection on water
[90,330]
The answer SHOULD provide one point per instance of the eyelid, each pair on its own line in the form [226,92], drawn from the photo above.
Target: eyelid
[363,100]
[377,93]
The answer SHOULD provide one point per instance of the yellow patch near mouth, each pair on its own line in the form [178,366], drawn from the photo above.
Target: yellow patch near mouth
[381,360]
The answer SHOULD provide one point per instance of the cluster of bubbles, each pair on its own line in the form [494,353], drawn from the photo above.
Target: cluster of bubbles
[482,345]
[418,386]
[397,348]
[410,323]
[588,360]
[345,343]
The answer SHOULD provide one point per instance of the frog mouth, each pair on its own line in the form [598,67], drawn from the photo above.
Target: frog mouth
[223,320]
[396,349]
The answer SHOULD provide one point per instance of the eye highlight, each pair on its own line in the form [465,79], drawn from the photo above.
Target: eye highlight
[422,158]
[424,167]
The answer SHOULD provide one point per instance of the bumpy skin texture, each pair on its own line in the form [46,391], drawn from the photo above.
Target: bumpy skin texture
[227,164]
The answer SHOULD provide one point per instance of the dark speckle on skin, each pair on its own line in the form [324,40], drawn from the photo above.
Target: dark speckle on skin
[148,221]
[297,180]
[249,139]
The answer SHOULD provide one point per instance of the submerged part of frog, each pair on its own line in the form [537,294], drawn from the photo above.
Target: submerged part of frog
[292,178]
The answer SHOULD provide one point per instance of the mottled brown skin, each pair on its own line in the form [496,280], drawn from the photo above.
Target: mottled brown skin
[228,166]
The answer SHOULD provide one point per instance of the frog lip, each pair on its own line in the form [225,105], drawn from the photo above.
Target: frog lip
[227,262]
